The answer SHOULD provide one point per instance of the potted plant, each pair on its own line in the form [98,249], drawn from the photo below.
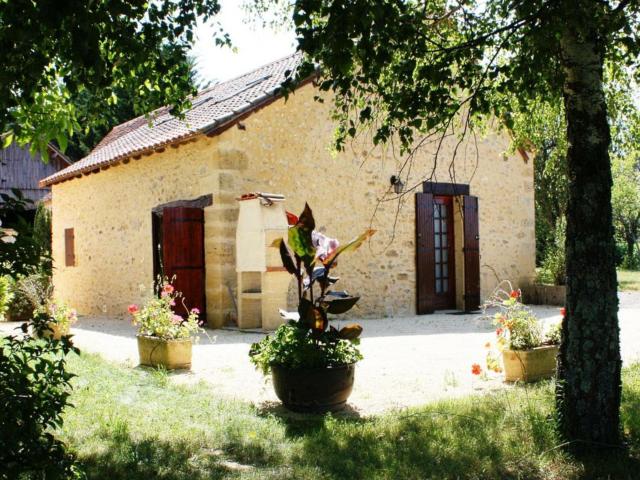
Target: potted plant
[164,337]
[527,353]
[53,320]
[312,364]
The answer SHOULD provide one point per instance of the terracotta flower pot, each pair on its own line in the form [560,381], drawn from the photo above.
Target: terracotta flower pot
[530,365]
[315,390]
[55,331]
[171,354]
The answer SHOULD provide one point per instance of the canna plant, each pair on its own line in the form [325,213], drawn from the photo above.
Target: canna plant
[310,257]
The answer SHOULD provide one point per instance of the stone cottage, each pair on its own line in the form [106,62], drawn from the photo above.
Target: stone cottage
[444,245]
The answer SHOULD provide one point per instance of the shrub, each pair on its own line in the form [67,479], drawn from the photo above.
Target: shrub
[553,270]
[6,295]
[35,390]
[29,293]
[293,347]
[42,237]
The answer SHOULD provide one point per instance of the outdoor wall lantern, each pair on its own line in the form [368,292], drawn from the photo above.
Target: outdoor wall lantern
[398,185]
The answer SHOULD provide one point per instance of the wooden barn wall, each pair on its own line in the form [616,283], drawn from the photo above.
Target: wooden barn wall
[18,169]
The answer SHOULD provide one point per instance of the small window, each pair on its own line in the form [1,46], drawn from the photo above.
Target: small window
[69,248]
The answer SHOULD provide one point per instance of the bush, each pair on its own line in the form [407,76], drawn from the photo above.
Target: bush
[293,347]
[28,294]
[553,270]
[42,237]
[6,295]
[35,390]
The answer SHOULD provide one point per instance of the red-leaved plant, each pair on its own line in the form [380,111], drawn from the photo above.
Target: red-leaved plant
[309,257]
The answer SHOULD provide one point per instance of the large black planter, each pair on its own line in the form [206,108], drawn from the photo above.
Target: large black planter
[315,390]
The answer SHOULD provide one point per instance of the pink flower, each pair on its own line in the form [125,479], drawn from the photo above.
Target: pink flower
[325,246]
[168,289]
[195,311]
[176,319]
[133,309]
[172,303]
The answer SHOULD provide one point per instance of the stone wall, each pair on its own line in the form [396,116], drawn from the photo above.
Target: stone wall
[285,148]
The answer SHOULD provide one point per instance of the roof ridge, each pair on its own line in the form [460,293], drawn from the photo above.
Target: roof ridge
[118,127]
[238,77]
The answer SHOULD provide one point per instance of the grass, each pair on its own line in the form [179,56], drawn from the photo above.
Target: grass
[135,424]
[629,280]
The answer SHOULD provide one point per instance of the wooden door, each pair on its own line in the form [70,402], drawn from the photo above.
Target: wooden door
[183,255]
[425,260]
[471,253]
[444,253]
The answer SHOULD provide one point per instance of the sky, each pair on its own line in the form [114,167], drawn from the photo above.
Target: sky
[253,45]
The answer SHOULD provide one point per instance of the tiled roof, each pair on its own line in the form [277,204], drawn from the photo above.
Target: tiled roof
[211,109]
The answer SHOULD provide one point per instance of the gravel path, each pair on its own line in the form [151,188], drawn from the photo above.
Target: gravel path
[408,361]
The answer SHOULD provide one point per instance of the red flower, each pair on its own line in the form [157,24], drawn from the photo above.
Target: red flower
[476,369]
[514,293]
[499,331]
[563,312]
[133,309]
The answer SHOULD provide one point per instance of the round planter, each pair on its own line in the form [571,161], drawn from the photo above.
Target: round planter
[314,390]
[530,365]
[171,354]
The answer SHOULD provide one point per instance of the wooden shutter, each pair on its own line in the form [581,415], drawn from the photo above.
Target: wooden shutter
[183,255]
[471,253]
[425,258]
[69,247]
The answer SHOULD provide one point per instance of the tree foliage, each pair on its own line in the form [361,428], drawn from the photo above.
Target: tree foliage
[35,390]
[54,52]
[541,130]
[23,255]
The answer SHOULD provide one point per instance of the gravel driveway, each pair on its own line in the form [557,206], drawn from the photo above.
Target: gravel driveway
[408,361]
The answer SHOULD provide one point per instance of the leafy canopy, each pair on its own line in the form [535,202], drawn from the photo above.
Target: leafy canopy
[408,68]
[52,52]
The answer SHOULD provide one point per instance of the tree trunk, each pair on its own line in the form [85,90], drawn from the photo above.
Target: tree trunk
[589,385]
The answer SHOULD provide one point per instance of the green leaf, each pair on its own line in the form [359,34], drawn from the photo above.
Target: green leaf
[7,140]
[301,244]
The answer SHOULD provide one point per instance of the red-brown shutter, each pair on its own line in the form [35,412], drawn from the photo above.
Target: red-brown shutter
[425,256]
[471,254]
[183,255]
[69,247]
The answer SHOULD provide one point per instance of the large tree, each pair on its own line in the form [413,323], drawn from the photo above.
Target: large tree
[412,68]
[52,52]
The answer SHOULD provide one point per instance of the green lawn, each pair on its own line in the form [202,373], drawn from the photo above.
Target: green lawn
[629,280]
[133,424]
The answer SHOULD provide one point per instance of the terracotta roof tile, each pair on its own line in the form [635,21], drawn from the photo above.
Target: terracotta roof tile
[211,109]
